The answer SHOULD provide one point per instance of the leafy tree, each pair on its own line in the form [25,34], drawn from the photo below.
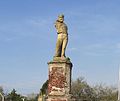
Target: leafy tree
[13,96]
[43,90]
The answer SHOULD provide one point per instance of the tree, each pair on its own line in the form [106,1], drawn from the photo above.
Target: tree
[105,93]
[32,97]
[43,90]
[84,92]
[13,96]
[81,90]
[1,93]
[1,89]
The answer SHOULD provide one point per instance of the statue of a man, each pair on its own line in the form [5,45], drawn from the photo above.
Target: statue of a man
[62,38]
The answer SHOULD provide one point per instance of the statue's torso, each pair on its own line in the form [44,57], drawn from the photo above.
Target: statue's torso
[61,28]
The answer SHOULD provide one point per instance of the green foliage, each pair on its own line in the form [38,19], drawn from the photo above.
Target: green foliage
[43,90]
[13,96]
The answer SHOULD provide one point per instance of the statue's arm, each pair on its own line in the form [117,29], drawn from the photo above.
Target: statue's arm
[57,26]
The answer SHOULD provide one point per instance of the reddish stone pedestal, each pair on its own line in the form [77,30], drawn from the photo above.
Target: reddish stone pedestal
[59,85]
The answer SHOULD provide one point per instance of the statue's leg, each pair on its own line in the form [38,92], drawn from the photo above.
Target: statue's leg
[58,47]
[65,41]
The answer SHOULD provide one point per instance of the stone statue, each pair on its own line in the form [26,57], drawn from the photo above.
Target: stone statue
[62,38]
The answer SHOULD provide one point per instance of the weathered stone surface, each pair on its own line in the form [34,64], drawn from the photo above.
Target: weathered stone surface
[61,59]
[57,81]
[61,99]
[62,39]
[59,85]
[59,77]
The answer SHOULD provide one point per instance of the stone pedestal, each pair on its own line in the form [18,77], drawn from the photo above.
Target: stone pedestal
[59,85]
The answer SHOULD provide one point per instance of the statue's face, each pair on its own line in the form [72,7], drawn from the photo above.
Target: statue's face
[61,19]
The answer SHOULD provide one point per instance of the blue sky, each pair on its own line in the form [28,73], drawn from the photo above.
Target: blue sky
[28,38]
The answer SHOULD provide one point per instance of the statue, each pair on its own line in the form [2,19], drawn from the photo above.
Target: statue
[62,38]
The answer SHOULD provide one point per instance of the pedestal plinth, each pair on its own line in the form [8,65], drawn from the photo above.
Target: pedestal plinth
[59,85]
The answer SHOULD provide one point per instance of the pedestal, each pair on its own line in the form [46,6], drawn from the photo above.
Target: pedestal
[59,85]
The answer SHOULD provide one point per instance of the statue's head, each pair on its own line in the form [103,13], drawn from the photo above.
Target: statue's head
[61,18]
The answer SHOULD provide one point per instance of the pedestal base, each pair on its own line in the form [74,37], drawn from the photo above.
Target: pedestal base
[60,98]
[59,85]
